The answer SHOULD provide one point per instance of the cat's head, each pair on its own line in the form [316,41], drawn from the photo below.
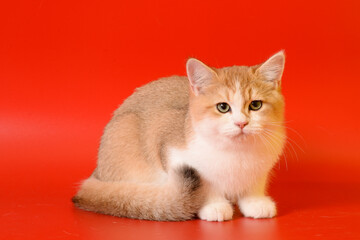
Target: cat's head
[237,102]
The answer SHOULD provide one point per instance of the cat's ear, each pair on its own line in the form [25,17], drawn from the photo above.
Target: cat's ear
[273,68]
[199,75]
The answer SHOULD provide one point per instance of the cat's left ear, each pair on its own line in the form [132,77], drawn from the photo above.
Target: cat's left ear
[273,68]
[199,75]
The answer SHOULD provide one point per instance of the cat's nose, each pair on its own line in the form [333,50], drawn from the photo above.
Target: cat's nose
[241,124]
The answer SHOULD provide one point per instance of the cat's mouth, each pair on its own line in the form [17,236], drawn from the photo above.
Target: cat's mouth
[244,133]
[240,133]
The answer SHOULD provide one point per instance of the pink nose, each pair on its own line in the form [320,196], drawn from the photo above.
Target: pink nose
[241,124]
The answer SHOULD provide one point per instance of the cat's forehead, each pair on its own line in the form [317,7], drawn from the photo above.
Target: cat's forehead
[240,82]
[236,77]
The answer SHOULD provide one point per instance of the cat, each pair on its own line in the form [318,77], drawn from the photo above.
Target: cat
[185,147]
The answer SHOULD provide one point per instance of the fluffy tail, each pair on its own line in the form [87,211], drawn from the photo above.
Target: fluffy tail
[177,200]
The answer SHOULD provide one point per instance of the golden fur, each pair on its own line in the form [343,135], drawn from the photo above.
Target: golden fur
[135,176]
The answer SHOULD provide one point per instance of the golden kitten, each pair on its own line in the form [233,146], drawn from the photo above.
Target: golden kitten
[181,147]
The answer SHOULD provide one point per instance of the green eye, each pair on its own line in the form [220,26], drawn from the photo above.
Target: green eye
[223,107]
[255,105]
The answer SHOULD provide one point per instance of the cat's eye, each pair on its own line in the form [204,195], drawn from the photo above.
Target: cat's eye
[255,105]
[223,107]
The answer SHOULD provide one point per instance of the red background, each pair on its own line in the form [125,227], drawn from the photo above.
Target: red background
[66,65]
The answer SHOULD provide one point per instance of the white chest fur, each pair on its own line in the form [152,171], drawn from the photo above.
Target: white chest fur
[230,173]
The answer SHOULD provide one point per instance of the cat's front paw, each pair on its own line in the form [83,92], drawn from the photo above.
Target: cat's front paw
[257,207]
[218,211]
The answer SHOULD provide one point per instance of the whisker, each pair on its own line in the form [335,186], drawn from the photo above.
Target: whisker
[267,145]
[289,128]
[288,138]
[271,142]
[277,141]
[275,135]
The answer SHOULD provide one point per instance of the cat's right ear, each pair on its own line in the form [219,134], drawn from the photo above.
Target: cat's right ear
[199,75]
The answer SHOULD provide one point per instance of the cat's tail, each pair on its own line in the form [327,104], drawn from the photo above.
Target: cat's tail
[180,198]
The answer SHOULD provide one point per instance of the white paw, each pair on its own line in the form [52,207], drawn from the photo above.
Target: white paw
[218,211]
[257,207]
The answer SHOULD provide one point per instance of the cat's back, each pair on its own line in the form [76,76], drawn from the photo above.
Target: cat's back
[164,94]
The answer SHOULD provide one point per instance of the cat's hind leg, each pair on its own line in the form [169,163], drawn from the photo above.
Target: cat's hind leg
[121,153]
[177,199]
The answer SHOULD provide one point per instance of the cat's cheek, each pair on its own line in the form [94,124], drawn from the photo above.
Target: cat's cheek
[228,130]
[207,127]
[226,127]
